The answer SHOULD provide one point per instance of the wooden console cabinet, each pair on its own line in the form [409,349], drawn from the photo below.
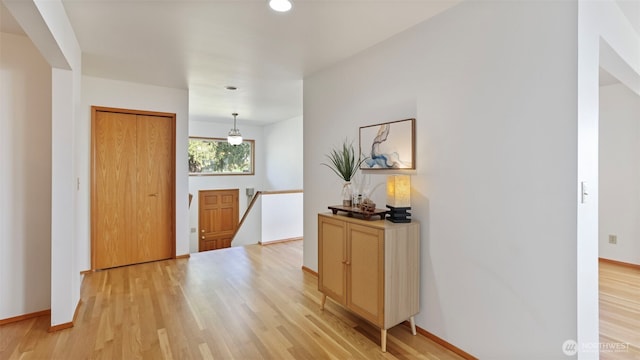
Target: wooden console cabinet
[370,267]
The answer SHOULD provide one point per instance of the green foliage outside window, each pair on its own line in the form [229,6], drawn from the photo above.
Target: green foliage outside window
[217,157]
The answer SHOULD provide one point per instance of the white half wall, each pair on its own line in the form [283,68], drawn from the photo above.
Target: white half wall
[493,88]
[619,171]
[25,178]
[282,216]
[251,231]
[203,128]
[283,165]
[128,95]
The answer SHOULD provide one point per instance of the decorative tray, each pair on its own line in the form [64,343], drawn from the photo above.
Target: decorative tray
[357,211]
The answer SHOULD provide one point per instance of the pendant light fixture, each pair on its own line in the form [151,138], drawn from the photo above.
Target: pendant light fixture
[234,137]
[280,5]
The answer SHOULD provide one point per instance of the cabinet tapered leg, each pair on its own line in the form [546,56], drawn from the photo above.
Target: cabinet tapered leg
[323,301]
[383,339]
[412,320]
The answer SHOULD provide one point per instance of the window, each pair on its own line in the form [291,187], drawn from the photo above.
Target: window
[213,156]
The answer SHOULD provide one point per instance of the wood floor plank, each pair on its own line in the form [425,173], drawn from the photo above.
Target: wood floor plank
[619,311]
[252,302]
[205,351]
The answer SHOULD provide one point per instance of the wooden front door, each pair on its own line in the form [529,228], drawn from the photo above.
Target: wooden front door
[218,218]
[133,187]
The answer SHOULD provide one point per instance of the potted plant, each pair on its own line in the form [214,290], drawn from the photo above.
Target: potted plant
[343,162]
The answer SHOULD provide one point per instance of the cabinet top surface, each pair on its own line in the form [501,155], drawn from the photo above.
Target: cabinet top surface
[382,224]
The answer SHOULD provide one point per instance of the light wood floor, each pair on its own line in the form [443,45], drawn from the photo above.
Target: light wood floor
[250,302]
[620,310]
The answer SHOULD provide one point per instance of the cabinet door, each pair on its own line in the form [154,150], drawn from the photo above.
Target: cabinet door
[332,256]
[365,273]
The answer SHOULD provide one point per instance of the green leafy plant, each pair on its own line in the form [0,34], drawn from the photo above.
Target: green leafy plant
[218,156]
[343,162]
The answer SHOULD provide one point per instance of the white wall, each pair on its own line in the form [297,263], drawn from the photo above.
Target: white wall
[283,166]
[619,171]
[48,27]
[493,88]
[282,216]
[203,128]
[604,34]
[25,178]
[127,95]
[251,230]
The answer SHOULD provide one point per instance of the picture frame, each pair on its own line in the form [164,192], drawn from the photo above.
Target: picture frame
[389,145]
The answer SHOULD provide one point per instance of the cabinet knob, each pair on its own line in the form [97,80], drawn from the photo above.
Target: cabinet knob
[202,231]
[202,237]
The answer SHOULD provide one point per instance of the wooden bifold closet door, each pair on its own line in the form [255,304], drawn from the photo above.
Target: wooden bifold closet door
[133,187]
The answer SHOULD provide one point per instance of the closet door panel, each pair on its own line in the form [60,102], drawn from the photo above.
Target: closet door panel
[115,189]
[155,188]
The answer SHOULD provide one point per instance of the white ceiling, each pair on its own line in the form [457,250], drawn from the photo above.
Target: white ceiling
[606,78]
[631,9]
[206,45]
[7,23]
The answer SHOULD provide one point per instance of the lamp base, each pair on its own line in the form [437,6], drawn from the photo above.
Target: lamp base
[398,214]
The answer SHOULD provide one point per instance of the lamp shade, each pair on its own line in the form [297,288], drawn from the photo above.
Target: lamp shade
[280,5]
[234,138]
[399,191]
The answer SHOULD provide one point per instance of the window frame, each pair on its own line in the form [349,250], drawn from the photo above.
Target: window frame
[252,144]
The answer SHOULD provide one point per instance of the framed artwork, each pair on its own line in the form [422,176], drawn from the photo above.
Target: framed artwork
[389,145]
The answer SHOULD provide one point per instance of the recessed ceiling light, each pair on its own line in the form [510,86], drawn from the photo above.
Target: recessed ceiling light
[280,5]
[231,88]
